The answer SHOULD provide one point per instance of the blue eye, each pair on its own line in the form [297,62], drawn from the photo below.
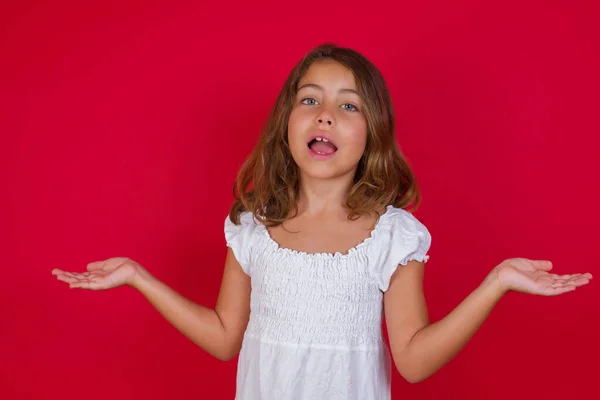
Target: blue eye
[311,102]
[308,99]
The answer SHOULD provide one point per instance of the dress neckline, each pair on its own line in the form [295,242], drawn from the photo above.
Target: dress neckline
[337,255]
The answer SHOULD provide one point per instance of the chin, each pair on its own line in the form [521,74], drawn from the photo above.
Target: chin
[325,171]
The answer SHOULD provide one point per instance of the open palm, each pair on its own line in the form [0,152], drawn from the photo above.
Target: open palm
[533,276]
[101,275]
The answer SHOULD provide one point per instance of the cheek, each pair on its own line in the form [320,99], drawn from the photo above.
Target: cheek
[297,125]
[356,136]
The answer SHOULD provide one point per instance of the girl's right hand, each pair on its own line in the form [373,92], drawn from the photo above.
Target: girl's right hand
[101,275]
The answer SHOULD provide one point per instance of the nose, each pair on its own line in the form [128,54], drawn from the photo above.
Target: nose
[325,117]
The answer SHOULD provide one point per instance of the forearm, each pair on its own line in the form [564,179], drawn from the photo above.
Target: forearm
[200,324]
[436,344]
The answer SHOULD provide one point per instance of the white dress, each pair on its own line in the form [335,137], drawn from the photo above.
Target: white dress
[315,328]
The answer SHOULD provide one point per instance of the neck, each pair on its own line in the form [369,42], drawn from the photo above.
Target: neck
[318,196]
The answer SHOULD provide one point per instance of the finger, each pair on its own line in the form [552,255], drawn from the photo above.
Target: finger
[71,280]
[57,271]
[91,285]
[553,291]
[560,282]
[74,275]
[95,265]
[71,277]
[564,278]
[544,265]
[558,276]
[66,278]
[572,276]
[580,281]
[577,276]
[577,279]
[558,285]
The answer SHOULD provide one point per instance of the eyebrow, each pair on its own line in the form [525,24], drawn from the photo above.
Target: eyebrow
[318,87]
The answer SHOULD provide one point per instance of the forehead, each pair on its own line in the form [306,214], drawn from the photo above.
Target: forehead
[329,74]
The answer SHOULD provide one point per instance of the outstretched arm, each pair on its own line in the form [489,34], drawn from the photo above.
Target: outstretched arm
[419,348]
[218,331]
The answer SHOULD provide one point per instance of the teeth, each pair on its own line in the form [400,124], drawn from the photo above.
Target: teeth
[319,139]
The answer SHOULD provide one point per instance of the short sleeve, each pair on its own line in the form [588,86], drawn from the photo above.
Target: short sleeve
[240,237]
[407,239]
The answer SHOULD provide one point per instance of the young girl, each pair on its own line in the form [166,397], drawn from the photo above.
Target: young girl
[321,246]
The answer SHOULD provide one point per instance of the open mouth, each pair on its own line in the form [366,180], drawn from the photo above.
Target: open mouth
[322,146]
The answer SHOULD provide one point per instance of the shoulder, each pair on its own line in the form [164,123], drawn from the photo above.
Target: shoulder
[401,238]
[246,218]
[404,222]
[399,228]
[241,236]
[246,224]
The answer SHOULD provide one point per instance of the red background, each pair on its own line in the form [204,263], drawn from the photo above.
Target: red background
[123,125]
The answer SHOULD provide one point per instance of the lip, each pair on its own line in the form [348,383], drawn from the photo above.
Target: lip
[322,134]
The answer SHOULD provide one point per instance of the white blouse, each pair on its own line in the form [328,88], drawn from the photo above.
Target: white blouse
[315,328]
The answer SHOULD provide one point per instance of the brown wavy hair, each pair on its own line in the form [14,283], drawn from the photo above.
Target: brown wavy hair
[268,181]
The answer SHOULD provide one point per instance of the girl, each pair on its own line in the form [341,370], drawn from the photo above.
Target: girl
[321,246]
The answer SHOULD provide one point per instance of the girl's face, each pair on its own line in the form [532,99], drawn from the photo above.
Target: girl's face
[327,130]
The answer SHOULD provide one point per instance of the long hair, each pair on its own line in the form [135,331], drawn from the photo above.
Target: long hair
[268,181]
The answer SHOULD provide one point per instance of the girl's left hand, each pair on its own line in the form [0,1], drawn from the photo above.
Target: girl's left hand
[532,276]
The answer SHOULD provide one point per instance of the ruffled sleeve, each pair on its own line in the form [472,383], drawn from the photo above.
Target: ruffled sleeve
[240,237]
[404,239]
